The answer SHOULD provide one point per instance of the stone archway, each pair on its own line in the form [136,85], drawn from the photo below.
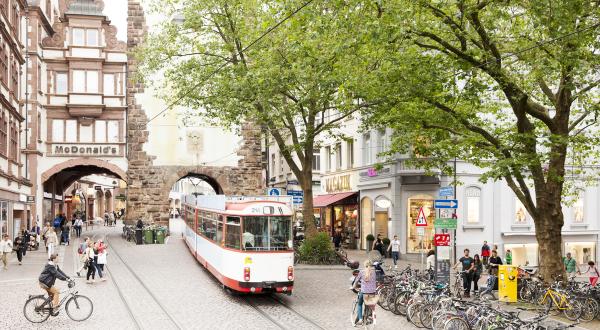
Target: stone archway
[102,165]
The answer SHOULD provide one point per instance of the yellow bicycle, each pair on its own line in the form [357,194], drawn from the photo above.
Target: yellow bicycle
[557,301]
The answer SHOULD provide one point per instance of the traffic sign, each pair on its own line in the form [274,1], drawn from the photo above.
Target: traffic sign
[445,203]
[421,219]
[446,191]
[445,223]
[274,192]
[441,239]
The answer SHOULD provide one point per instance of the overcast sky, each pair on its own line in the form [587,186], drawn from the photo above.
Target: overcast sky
[116,10]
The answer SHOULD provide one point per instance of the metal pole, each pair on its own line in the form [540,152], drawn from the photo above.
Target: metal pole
[454,240]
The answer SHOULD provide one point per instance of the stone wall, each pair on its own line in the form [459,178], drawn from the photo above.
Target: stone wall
[149,185]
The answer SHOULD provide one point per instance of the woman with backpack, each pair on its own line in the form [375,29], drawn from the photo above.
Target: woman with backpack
[594,273]
[89,260]
[82,256]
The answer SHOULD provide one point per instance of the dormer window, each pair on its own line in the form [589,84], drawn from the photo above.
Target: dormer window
[85,37]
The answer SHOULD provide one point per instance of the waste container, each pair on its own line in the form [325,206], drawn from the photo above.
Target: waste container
[507,283]
[148,236]
[160,236]
[139,236]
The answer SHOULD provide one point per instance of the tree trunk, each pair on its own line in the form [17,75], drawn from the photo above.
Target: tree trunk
[310,227]
[548,226]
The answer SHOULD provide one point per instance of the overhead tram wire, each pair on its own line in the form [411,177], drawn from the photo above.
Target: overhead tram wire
[210,75]
[532,47]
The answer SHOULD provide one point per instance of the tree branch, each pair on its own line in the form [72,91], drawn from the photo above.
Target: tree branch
[547,91]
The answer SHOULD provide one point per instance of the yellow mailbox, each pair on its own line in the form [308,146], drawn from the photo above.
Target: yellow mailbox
[507,283]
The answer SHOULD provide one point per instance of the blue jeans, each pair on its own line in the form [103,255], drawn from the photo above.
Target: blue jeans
[395,256]
[360,305]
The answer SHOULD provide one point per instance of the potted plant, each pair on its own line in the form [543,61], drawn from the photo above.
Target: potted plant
[386,244]
[370,239]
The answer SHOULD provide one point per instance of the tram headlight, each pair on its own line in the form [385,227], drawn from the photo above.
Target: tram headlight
[246,274]
[290,273]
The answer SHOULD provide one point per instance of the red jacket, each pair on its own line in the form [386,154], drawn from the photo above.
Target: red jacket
[485,251]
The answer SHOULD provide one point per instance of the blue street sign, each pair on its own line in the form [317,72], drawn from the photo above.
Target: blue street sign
[445,203]
[274,192]
[295,192]
[446,191]
[298,199]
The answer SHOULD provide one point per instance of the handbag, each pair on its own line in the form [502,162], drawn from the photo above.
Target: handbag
[86,264]
[371,299]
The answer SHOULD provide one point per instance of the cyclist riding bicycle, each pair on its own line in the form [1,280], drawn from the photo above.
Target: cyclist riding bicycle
[368,289]
[47,278]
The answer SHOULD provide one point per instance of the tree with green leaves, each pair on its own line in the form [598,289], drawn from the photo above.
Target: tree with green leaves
[510,86]
[286,66]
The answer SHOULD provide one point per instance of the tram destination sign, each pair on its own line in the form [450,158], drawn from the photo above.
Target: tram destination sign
[445,223]
[85,149]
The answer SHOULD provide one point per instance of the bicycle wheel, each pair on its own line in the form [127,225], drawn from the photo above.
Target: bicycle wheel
[440,318]
[551,308]
[456,323]
[36,310]
[487,296]
[589,309]
[354,313]
[426,315]
[368,318]
[413,314]
[574,310]
[384,293]
[79,308]
[526,293]
[401,304]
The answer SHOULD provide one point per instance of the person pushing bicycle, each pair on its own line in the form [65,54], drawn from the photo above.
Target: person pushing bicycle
[47,279]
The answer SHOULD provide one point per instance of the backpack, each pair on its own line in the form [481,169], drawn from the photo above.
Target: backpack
[57,222]
[80,250]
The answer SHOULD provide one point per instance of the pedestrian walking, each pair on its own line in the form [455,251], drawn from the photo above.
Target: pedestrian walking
[78,226]
[594,273]
[98,248]
[378,245]
[114,218]
[485,253]
[20,247]
[52,241]
[477,270]
[467,266]
[89,259]
[82,256]
[45,234]
[508,257]
[6,248]
[101,259]
[570,265]
[106,218]
[431,260]
[65,234]
[56,224]
[337,238]
[395,248]
[25,242]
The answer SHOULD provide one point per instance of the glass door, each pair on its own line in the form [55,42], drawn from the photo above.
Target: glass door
[3,218]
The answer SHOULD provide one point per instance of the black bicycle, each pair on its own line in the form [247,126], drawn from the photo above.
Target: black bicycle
[38,308]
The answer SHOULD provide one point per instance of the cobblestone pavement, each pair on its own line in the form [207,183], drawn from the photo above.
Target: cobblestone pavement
[163,287]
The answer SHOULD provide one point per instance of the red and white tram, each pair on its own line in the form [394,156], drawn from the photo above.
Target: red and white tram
[246,243]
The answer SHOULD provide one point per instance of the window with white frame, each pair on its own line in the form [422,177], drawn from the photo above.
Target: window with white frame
[578,211]
[100,131]
[473,195]
[338,156]
[521,214]
[327,159]
[91,37]
[78,37]
[350,153]
[71,131]
[85,81]
[316,165]
[381,143]
[272,165]
[61,85]
[109,84]
[85,37]
[113,131]
[367,160]
[58,130]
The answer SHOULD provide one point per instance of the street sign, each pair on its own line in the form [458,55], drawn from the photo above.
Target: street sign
[293,182]
[445,203]
[441,239]
[421,219]
[297,196]
[30,199]
[274,191]
[420,231]
[442,264]
[446,191]
[445,223]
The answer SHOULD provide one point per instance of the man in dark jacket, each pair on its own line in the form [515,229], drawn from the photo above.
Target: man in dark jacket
[47,278]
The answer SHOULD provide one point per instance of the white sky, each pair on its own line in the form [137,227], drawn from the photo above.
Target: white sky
[116,10]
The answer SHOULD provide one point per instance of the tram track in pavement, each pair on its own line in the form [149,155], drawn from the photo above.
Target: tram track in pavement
[295,319]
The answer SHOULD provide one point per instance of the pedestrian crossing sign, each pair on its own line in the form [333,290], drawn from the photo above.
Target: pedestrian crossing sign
[421,219]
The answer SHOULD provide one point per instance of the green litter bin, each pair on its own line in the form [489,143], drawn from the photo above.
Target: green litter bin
[160,236]
[148,236]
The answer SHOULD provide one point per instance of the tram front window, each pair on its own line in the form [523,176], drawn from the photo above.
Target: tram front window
[266,233]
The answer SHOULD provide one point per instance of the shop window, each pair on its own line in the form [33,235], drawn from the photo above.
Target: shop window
[522,254]
[578,211]
[233,233]
[3,218]
[473,198]
[316,165]
[582,252]
[346,218]
[521,214]
[367,160]
[417,243]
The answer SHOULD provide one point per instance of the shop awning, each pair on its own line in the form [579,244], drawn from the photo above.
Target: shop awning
[326,200]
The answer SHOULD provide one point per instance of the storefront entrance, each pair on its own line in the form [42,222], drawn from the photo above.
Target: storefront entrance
[420,243]
[340,211]
[522,254]
[381,224]
[582,252]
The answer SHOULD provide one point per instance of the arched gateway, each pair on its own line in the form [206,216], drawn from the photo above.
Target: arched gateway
[148,185]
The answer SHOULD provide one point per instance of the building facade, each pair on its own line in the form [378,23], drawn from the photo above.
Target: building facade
[77,102]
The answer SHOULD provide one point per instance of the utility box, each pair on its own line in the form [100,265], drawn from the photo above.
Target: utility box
[507,283]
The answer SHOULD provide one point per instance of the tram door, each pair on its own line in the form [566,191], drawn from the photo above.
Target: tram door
[381,224]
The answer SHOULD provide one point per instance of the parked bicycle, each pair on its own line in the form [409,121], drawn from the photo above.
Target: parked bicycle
[38,308]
